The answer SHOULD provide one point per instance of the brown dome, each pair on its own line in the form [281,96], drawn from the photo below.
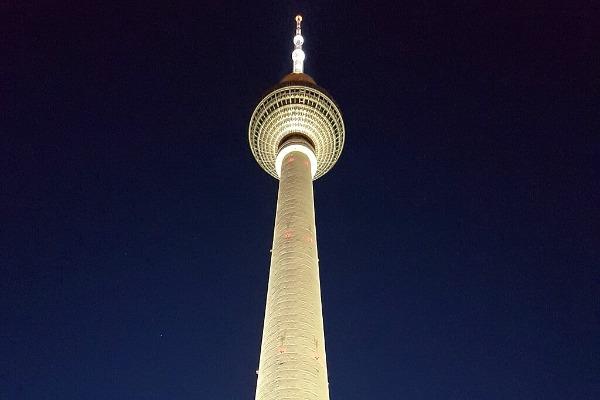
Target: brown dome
[298,77]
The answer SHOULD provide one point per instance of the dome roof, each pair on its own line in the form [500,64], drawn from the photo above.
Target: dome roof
[297,77]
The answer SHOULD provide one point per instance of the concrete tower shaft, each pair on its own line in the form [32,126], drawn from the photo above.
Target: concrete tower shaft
[292,358]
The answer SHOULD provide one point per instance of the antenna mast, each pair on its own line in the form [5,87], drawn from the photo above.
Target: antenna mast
[298,55]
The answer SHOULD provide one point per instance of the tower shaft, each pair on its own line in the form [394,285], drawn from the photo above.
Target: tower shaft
[292,358]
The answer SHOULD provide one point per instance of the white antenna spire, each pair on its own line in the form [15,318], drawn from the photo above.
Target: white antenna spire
[298,54]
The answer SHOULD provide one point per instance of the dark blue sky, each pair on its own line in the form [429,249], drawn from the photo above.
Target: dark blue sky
[458,234]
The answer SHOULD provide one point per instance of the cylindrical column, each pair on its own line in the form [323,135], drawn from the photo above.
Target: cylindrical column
[292,357]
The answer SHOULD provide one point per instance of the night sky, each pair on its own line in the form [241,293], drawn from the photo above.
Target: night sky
[458,234]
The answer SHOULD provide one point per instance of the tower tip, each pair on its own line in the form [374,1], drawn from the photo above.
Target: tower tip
[298,54]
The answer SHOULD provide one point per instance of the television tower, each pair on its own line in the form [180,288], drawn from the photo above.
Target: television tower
[296,134]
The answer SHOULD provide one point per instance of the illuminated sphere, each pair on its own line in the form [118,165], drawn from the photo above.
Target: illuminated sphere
[298,55]
[297,107]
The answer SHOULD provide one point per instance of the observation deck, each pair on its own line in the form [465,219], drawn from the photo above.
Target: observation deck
[297,106]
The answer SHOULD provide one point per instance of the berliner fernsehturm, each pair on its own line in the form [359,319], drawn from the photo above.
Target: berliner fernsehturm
[296,134]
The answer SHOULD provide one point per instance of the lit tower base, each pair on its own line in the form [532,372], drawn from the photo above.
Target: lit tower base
[296,134]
